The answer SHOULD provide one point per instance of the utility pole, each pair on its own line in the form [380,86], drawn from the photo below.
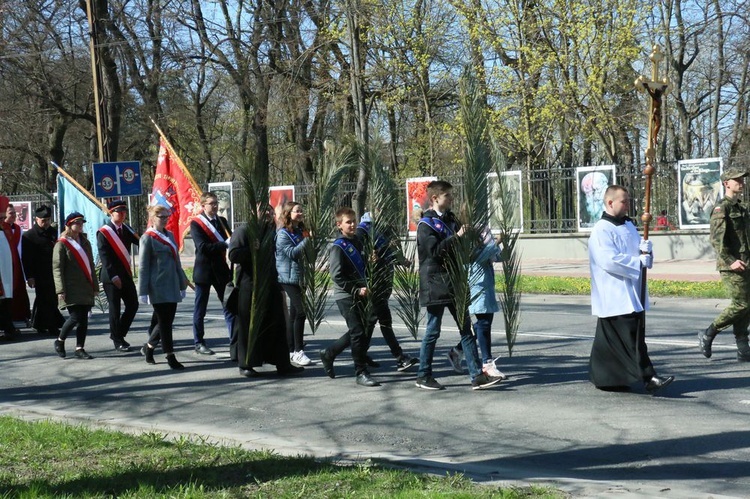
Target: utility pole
[99,107]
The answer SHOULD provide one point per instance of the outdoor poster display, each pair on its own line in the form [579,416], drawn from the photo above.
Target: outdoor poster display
[591,183]
[277,196]
[512,181]
[416,200]
[24,215]
[699,190]
[223,191]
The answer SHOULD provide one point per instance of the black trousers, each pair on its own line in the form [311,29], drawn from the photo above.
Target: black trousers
[385,319]
[78,320]
[119,324]
[295,326]
[358,336]
[45,314]
[164,317]
[6,323]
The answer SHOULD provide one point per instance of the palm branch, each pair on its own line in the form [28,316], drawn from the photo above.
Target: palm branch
[261,234]
[475,207]
[318,219]
[510,298]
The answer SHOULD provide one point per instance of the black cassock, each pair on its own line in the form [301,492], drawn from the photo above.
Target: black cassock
[619,356]
[36,255]
[270,346]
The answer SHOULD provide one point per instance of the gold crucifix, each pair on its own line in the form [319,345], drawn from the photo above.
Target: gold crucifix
[656,89]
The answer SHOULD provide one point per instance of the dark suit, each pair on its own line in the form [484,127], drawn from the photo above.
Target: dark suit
[112,266]
[36,255]
[210,269]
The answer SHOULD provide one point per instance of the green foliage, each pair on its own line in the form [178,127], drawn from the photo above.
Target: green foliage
[56,460]
[319,212]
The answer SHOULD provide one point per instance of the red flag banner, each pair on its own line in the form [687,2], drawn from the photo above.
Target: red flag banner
[175,188]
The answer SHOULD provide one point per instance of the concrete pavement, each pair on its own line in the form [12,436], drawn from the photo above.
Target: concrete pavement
[545,425]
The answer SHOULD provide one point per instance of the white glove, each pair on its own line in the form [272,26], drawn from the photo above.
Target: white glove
[183,293]
[647,261]
[646,246]
[143,299]
[227,241]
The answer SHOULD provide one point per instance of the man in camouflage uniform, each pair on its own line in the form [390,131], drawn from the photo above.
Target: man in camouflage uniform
[730,237]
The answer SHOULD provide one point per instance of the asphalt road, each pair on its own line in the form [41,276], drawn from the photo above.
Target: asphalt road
[545,425]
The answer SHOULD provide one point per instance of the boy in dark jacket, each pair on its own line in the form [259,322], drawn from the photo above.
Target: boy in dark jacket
[387,257]
[436,234]
[347,267]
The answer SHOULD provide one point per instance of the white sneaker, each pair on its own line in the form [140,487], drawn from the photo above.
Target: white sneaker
[301,359]
[490,369]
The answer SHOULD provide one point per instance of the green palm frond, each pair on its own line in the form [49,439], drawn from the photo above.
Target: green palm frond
[260,230]
[510,298]
[474,212]
[319,213]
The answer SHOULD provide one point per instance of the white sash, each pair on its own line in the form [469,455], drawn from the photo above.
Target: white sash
[80,256]
[204,222]
[114,240]
[162,238]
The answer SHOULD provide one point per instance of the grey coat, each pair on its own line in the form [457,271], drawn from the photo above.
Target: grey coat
[160,274]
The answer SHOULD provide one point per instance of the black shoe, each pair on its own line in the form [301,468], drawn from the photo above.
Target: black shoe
[327,362]
[404,362]
[429,383]
[290,370]
[148,353]
[202,349]
[81,354]
[483,381]
[364,379]
[60,348]
[705,339]
[656,383]
[122,346]
[174,363]
[371,363]
[743,357]
[249,372]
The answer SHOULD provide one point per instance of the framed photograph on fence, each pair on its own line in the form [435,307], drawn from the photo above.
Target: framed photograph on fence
[416,200]
[591,183]
[278,195]
[223,191]
[512,182]
[699,190]
[24,215]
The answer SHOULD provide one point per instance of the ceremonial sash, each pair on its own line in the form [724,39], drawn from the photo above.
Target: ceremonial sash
[379,240]
[437,225]
[352,253]
[164,240]
[80,257]
[116,243]
[296,238]
[209,229]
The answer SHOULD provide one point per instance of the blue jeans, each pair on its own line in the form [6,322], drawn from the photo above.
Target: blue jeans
[432,333]
[483,328]
[202,292]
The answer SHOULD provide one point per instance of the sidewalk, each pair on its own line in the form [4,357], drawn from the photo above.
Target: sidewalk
[671,270]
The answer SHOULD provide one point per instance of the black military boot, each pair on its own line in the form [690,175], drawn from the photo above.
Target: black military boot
[743,349]
[705,340]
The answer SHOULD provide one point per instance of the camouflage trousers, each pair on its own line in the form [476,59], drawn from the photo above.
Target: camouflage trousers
[737,314]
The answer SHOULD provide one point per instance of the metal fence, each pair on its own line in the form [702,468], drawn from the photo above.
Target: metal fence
[550,198]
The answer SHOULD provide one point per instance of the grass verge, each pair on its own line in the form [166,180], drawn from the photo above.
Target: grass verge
[556,285]
[49,459]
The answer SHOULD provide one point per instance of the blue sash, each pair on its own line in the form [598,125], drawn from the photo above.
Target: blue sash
[352,253]
[296,238]
[437,225]
[379,240]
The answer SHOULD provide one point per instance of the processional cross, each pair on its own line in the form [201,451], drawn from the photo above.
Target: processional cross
[656,89]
